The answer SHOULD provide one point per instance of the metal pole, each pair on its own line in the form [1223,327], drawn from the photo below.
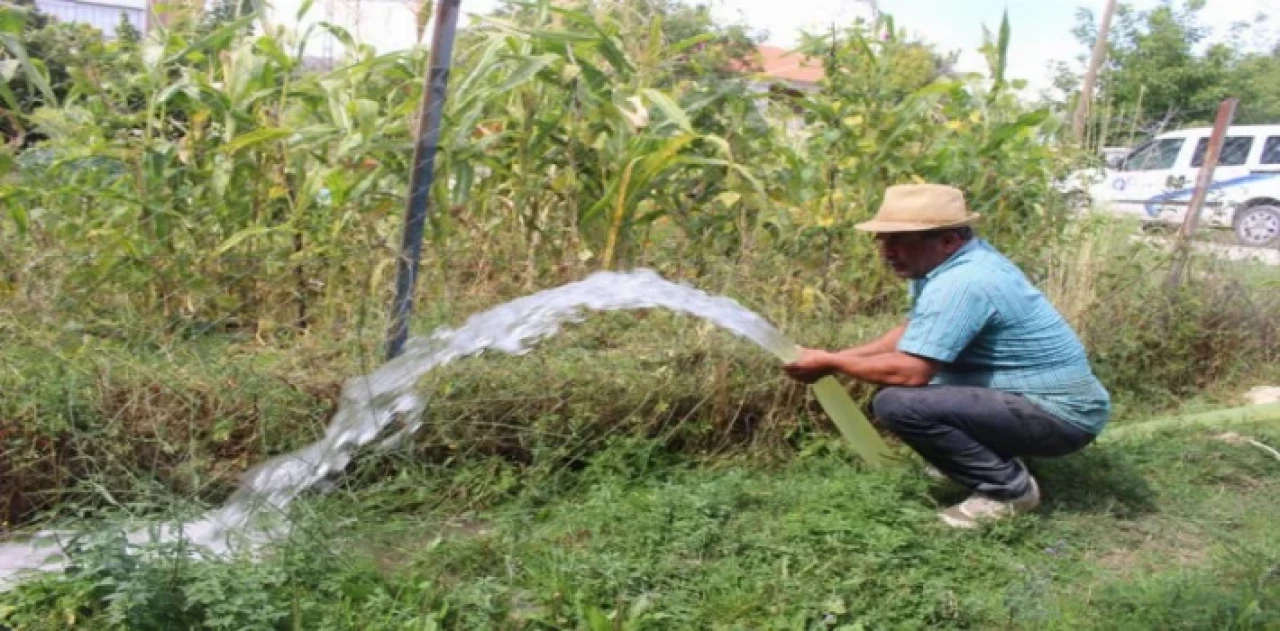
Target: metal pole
[1204,179]
[424,164]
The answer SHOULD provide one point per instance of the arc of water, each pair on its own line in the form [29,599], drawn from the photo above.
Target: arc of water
[372,403]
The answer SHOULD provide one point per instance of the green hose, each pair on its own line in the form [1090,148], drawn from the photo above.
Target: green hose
[852,423]
[1267,413]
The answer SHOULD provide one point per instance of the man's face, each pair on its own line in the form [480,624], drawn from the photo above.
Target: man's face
[914,254]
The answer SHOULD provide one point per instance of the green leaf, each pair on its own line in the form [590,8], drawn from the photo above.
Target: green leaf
[1002,51]
[255,137]
[720,143]
[561,36]
[684,45]
[612,50]
[33,69]
[529,67]
[239,237]
[218,40]
[339,33]
[10,99]
[483,66]
[655,40]
[12,19]
[464,127]
[271,48]
[182,85]
[366,115]
[742,172]
[670,109]
[1004,132]
[464,175]
[20,217]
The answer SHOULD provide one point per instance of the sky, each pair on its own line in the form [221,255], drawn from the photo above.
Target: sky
[1040,29]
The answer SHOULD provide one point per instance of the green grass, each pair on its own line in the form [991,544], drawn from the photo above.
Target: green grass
[1175,531]
[642,470]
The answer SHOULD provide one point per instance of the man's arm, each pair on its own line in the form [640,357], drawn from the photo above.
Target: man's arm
[943,322]
[878,362]
[884,344]
[893,368]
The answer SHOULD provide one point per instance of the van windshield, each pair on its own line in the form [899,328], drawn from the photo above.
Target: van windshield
[1157,154]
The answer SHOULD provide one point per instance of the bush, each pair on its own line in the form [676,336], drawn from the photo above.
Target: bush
[1151,343]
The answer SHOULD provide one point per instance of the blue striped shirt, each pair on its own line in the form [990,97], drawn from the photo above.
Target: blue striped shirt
[982,319]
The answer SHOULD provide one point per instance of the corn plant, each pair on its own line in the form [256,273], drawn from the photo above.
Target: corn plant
[236,168]
[578,143]
[205,176]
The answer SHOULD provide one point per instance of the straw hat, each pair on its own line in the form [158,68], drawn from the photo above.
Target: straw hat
[919,207]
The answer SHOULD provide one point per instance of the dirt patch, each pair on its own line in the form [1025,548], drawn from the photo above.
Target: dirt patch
[394,554]
[1152,546]
[1263,395]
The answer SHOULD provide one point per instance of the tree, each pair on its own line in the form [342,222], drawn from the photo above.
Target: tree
[63,56]
[126,33]
[224,12]
[1163,71]
[28,78]
[1255,79]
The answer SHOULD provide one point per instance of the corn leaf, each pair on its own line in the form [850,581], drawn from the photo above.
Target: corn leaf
[239,237]
[670,109]
[529,67]
[255,137]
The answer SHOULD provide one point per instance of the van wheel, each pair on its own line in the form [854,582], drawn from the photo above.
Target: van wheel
[1258,226]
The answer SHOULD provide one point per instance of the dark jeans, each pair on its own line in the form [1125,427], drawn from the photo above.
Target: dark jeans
[973,434]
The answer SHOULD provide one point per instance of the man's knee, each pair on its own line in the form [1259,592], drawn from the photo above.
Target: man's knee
[894,406]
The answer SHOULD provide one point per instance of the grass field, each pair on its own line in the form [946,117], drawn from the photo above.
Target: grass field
[1172,531]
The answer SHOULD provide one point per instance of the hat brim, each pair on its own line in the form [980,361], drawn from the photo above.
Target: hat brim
[913,226]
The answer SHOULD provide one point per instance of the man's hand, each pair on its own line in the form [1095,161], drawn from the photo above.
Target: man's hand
[813,365]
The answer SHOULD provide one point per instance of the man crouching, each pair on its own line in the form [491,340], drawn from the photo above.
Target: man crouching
[983,371]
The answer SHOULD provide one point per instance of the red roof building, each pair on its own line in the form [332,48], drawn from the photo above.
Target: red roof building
[780,64]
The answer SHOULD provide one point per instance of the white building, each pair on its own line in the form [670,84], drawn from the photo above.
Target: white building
[103,15]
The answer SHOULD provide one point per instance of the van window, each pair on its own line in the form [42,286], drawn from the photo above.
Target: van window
[1271,151]
[1235,151]
[1157,154]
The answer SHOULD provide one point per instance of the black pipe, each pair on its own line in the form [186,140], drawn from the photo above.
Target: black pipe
[424,166]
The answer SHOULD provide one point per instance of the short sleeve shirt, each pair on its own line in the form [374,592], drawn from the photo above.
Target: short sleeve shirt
[980,317]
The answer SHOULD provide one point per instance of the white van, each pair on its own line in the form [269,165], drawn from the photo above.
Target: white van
[1155,181]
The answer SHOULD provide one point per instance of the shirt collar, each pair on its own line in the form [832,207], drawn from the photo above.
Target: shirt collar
[955,259]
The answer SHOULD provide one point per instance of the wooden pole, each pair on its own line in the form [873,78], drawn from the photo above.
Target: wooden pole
[1204,179]
[1091,75]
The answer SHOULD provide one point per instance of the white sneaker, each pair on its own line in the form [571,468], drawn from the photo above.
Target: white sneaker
[979,508]
[934,474]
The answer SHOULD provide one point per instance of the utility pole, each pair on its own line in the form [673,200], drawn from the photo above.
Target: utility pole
[1226,112]
[424,165]
[1091,75]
